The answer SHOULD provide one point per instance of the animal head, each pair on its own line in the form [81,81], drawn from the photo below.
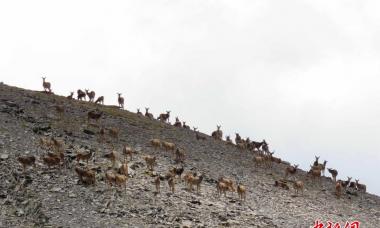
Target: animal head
[296,166]
[316,158]
[357,181]
[218,126]
[168,112]
[349,179]
[146,109]
[119,94]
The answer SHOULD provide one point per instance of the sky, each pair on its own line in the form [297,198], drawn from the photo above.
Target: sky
[304,75]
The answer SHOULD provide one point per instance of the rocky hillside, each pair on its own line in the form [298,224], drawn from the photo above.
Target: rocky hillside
[56,197]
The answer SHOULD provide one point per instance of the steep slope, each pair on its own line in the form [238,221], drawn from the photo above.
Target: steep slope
[56,197]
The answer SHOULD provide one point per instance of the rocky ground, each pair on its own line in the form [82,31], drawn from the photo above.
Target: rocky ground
[54,197]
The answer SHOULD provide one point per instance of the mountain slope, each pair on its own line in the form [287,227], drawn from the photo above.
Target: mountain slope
[56,197]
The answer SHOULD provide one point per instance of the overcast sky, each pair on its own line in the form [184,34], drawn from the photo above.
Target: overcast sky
[304,75]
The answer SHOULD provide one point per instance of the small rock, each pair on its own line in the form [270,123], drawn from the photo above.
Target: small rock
[196,202]
[72,195]
[89,132]
[20,212]
[4,156]
[56,189]
[186,224]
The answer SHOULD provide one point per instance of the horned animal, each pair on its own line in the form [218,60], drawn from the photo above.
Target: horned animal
[100,100]
[91,95]
[120,100]
[81,95]
[46,85]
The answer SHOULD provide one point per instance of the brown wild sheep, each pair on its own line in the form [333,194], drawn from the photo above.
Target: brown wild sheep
[81,95]
[164,117]
[45,143]
[85,175]
[58,144]
[228,182]
[177,123]
[110,177]
[185,126]
[46,85]
[334,173]
[51,161]
[218,134]
[120,100]
[26,161]
[237,138]
[187,176]
[100,100]
[156,143]
[360,187]
[322,167]
[179,155]
[221,188]
[157,183]
[176,171]
[171,183]
[121,180]
[298,186]
[94,114]
[346,183]
[241,146]
[70,97]
[147,114]
[83,156]
[241,190]
[111,156]
[315,173]
[150,161]
[338,189]
[139,113]
[124,169]
[290,170]
[281,184]
[91,95]
[195,180]
[168,146]
[127,151]
[256,145]
[228,140]
[60,155]
[316,161]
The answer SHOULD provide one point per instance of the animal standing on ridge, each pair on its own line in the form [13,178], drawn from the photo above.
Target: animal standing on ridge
[91,95]
[100,100]
[120,100]
[81,95]
[46,85]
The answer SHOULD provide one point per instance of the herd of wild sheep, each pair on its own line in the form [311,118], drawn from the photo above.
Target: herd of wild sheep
[117,174]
